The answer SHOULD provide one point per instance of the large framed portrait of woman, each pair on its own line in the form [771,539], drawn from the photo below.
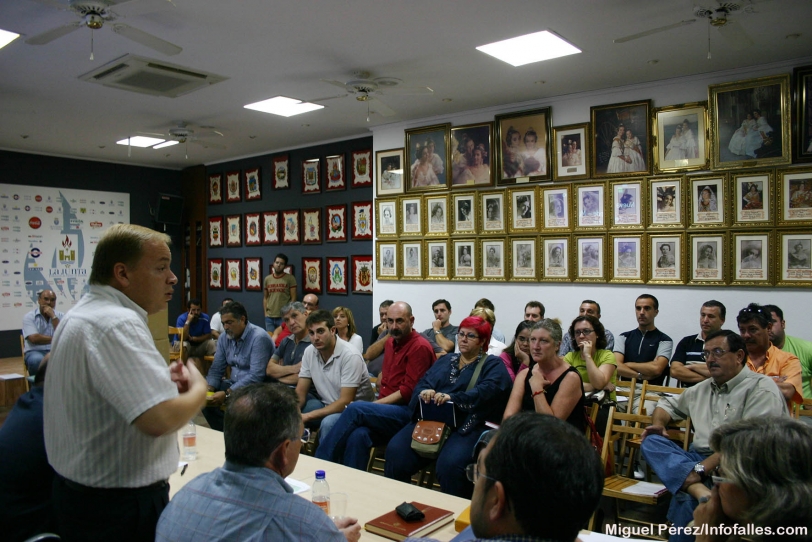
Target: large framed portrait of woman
[428,152]
[802,114]
[681,144]
[571,152]
[621,137]
[708,264]
[752,198]
[707,200]
[390,171]
[523,140]
[472,156]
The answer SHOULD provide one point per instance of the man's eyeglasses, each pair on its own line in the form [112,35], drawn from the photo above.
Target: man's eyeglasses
[469,336]
[583,332]
[473,474]
[716,353]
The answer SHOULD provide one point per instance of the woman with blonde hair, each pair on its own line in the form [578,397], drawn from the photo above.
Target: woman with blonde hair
[345,328]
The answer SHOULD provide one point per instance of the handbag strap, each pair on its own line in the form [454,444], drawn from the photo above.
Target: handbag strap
[477,370]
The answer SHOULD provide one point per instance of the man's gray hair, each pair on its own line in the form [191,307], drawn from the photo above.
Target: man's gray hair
[297,306]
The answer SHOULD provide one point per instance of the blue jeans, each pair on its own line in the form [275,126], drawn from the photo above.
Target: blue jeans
[33,358]
[673,465]
[272,323]
[457,453]
[214,415]
[361,426]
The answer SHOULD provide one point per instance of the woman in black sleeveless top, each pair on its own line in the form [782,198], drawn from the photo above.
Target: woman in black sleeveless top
[550,385]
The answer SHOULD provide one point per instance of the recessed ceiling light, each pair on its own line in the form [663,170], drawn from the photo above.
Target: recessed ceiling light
[7,37]
[529,48]
[285,107]
[140,141]
[166,144]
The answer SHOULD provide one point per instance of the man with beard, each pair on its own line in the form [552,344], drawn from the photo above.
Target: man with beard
[798,347]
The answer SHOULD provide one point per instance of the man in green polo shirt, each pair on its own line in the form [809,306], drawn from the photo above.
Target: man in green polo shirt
[800,348]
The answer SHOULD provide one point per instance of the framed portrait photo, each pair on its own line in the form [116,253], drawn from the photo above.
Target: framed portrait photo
[387,257]
[802,114]
[795,197]
[707,200]
[665,207]
[522,212]
[291,234]
[493,260]
[390,165]
[387,222]
[465,213]
[590,254]
[234,231]
[215,232]
[216,189]
[281,172]
[311,275]
[628,259]
[555,255]
[215,273]
[752,198]
[361,220]
[337,276]
[749,123]
[626,200]
[252,230]
[233,192]
[681,143]
[571,152]
[336,180]
[436,213]
[270,228]
[253,274]
[795,268]
[437,262]
[361,164]
[464,259]
[234,274]
[523,260]
[311,176]
[665,255]
[751,258]
[472,155]
[361,267]
[410,216]
[492,212]
[708,253]
[311,226]
[589,206]
[523,140]
[621,139]
[411,257]
[336,219]
[253,186]
[428,152]
[556,208]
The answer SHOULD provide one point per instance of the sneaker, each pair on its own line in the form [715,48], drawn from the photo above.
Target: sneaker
[638,473]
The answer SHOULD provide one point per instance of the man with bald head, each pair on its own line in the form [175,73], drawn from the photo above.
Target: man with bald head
[407,356]
[38,329]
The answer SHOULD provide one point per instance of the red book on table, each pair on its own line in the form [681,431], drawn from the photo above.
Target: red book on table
[391,525]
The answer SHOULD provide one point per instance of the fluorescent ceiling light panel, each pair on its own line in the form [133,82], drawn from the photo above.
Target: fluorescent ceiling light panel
[140,141]
[285,107]
[7,37]
[166,144]
[530,48]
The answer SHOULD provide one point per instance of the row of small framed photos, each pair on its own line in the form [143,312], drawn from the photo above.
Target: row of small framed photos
[739,199]
[248,181]
[737,258]
[292,227]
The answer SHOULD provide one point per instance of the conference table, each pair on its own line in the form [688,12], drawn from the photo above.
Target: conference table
[369,495]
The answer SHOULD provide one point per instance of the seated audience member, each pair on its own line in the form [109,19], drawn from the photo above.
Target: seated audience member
[765,358]
[216,323]
[495,347]
[538,479]
[374,354]
[383,326]
[441,333]
[38,329]
[248,498]
[335,369]
[731,393]
[589,356]
[245,348]
[550,385]
[345,328]
[687,364]
[587,308]
[25,475]
[197,341]
[448,380]
[310,303]
[407,357]
[764,479]
[486,303]
[534,311]
[286,362]
[517,355]
[799,348]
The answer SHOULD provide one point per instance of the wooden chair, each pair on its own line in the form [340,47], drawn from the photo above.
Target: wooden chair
[630,394]
[592,414]
[175,356]
[802,409]
[377,459]
[650,392]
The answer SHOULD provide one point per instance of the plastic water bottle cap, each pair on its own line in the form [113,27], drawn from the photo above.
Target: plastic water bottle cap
[319,475]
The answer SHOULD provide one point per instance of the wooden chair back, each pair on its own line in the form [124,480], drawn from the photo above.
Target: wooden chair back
[591,412]
[175,356]
[802,409]
[631,393]
[650,392]
[621,427]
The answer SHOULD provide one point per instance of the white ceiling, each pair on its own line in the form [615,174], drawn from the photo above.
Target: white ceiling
[282,47]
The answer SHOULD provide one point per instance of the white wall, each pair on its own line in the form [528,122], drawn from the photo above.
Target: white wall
[679,306]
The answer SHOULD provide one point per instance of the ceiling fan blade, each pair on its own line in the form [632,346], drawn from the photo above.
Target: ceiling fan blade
[381,108]
[335,83]
[734,35]
[146,39]
[133,8]
[324,99]
[153,134]
[654,31]
[407,90]
[61,6]
[53,34]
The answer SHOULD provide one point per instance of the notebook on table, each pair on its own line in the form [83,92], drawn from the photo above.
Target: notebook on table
[394,527]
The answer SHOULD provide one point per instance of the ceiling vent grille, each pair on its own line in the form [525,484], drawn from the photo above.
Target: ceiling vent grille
[147,76]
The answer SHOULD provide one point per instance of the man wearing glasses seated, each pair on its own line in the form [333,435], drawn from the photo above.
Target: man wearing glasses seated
[731,393]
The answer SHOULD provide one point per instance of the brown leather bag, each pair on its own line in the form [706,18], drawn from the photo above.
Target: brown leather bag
[428,438]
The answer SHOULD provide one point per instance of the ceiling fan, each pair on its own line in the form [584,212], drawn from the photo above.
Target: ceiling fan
[95,13]
[185,133]
[368,90]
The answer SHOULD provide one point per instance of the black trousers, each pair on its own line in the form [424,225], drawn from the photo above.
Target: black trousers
[89,514]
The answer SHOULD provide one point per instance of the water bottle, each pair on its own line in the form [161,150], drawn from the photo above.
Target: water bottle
[321,492]
[190,441]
